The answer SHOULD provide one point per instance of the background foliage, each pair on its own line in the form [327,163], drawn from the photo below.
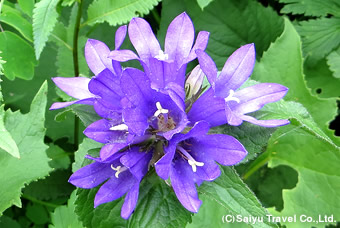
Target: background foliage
[292,170]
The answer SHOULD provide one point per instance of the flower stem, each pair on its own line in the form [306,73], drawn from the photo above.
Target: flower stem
[257,164]
[34,200]
[76,68]
[156,15]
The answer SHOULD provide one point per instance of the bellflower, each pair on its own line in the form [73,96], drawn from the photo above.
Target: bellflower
[226,103]
[123,172]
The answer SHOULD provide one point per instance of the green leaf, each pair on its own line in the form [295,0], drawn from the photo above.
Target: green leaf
[28,132]
[203,3]
[7,222]
[64,216]
[317,164]
[60,159]
[311,7]
[117,12]
[37,213]
[68,2]
[44,19]
[27,6]
[333,60]
[86,114]
[52,187]
[320,79]
[282,63]
[14,18]
[7,143]
[235,197]
[320,36]
[231,23]
[17,52]
[158,206]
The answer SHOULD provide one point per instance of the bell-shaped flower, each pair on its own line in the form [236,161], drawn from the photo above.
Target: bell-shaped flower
[224,102]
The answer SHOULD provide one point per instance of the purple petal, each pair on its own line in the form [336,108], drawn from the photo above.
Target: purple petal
[96,54]
[233,118]
[75,87]
[163,165]
[265,123]
[137,161]
[224,149]
[114,188]
[108,150]
[58,105]
[208,108]
[236,70]
[177,94]
[179,38]
[120,36]
[130,201]
[107,109]
[100,132]
[255,97]
[200,43]
[208,66]
[123,55]
[136,120]
[91,175]
[143,39]
[183,184]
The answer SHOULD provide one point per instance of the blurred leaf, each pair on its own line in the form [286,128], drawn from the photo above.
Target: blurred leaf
[203,3]
[64,216]
[319,37]
[84,147]
[231,23]
[7,222]
[320,79]
[333,60]
[28,132]
[117,12]
[14,18]
[235,197]
[68,2]
[52,187]
[19,56]
[44,19]
[6,141]
[27,6]
[60,159]
[311,7]
[37,213]
[158,206]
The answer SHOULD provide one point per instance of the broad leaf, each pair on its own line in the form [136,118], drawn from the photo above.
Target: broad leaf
[86,114]
[64,216]
[333,60]
[19,56]
[117,12]
[311,7]
[28,132]
[6,141]
[59,158]
[27,6]
[320,36]
[37,213]
[44,19]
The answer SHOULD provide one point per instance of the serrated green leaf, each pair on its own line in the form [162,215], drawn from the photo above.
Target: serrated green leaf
[44,19]
[117,12]
[203,3]
[64,216]
[59,158]
[52,187]
[311,7]
[320,79]
[14,18]
[158,206]
[68,2]
[7,143]
[86,114]
[17,52]
[28,132]
[37,213]
[333,60]
[235,197]
[319,37]
[27,6]
[282,63]
[231,23]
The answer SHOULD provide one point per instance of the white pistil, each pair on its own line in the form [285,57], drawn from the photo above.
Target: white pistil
[192,162]
[118,170]
[160,110]
[162,56]
[120,127]
[231,98]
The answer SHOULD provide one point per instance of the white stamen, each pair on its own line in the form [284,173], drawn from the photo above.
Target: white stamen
[191,160]
[120,127]
[162,56]
[118,170]
[231,98]
[160,110]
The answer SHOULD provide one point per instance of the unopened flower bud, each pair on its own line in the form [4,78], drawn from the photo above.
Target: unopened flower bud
[194,81]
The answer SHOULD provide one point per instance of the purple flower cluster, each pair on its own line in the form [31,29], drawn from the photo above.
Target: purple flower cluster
[157,118]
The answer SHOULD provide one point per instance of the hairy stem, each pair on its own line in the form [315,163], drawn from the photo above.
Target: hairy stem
[257,164]
[76,68]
